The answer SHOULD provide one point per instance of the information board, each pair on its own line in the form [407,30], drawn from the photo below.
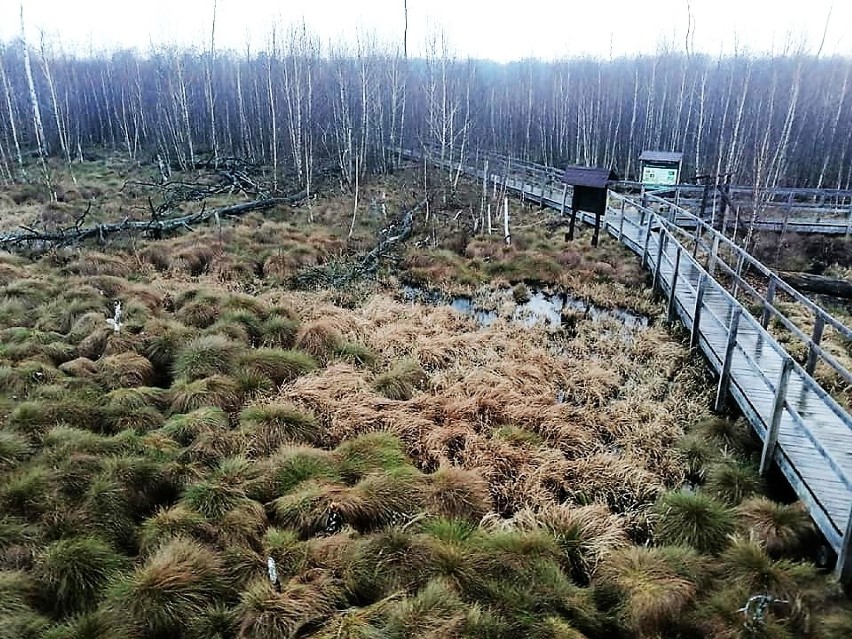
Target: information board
[654,175]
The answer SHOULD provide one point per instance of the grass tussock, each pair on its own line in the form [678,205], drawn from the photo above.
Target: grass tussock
[171,590]
[402,380]
[320,339]
[695,520]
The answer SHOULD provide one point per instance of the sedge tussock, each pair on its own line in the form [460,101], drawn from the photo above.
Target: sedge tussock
[320,339]
[179,520]
[458,494]
[269,426]
[75,571]
[218,390]
[264,613]
[125,370]
[616,481]
[587,534]
[185,428]
[205,356]
[279,366]
[169,591]
[693,519]
[781,528]
[400,382]
[655,592]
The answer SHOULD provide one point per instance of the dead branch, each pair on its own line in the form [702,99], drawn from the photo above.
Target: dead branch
[155,227]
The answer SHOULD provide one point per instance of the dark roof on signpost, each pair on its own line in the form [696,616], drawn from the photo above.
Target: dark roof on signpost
[661,156]
[588,176]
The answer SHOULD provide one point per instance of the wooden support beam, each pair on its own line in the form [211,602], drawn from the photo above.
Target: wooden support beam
[816,338]
[777,411]
[597,232]
[673,290]
[843,567]
[725,376]
[696,314]
[573,223]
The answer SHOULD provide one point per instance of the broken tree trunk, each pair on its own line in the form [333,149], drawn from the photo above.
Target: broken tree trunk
[818,284]
[389,242]
[35,239]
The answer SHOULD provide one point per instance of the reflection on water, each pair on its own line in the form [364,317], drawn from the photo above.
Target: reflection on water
[541,308]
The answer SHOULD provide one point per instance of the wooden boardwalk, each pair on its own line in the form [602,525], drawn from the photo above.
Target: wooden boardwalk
[804,431]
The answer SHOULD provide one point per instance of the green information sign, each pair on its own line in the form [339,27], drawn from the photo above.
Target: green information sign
[653,175]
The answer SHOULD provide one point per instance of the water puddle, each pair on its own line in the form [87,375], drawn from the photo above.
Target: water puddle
[541,307]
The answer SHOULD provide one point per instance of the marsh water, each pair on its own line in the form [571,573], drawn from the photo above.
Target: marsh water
[541,307]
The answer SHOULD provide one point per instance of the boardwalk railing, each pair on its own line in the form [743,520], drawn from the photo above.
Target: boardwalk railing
[804,321]
[804,430]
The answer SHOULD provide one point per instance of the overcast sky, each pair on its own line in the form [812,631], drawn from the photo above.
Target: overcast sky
[500,29]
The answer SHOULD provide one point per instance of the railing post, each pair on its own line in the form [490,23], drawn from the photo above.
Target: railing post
[725,375]
[849,223]
[564,199]
[696,314]
[647,241]
[673,289]
[770,299]
[621,222]
[697,239]
[738,275]
[843,567]
[777,411]
[656,280]
[714,253]
[816,338]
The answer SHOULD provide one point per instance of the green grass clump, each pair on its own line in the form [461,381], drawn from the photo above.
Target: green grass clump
[780,528]
[218,391]
[458,494]
[164,339]
[185,428]
[368,453]
[732,481]
[14,448]
[402,380]
[240,325]
[357,354]
[125,370]
[268,426]
[279,331]
[179,520]
[656,587]
[213,498]
[73,573]
[205,356]
[291,465]
[169,592]
[693,519]
[278,365]
[266,614]
[25,491]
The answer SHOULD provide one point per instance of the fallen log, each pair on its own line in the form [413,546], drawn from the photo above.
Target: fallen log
[820,284]
[156,226]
